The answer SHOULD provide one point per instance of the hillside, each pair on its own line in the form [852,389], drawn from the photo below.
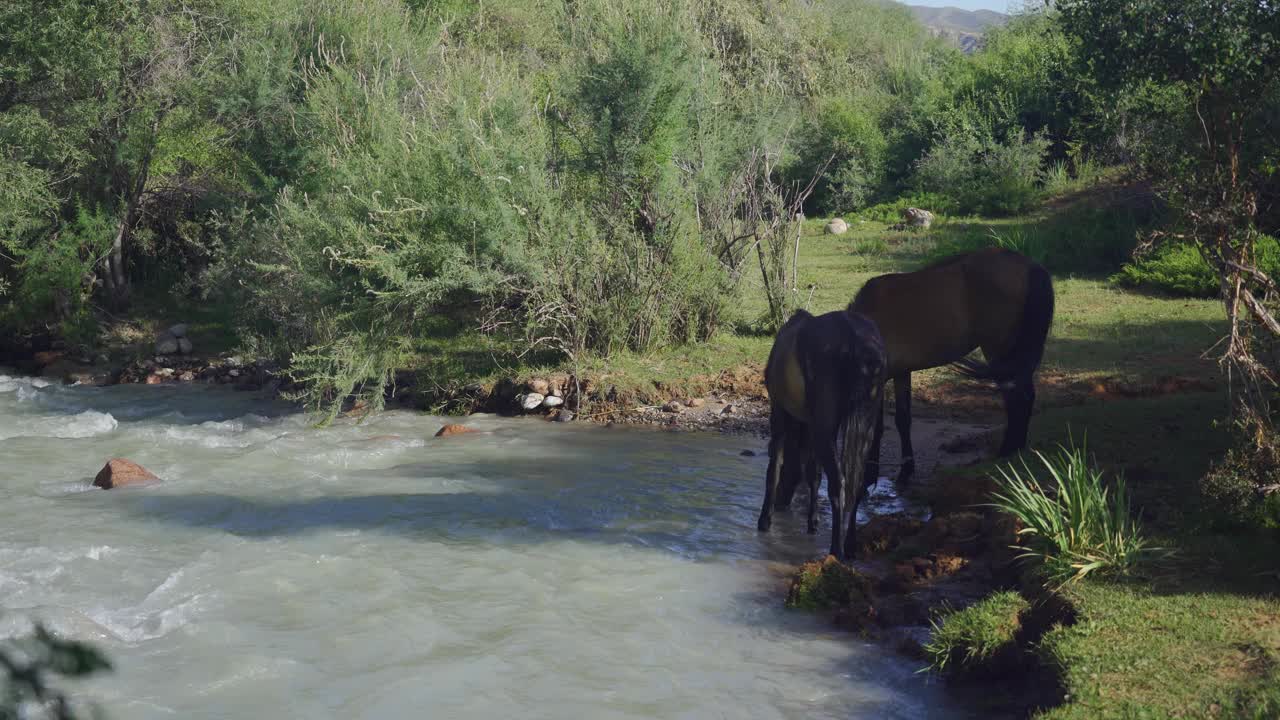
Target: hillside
[963,27]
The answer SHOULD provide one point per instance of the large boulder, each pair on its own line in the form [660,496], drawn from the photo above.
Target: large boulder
[119,472]
[179,330]
[531,401]
[184,346]
[837,227]
[551,401]
[917,218]
[539,386]
[166,344]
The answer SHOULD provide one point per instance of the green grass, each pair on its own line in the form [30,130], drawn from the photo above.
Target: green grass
[1195,635]
[967,638]
[1156,652]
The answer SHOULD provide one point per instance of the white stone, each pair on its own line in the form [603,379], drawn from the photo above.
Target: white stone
[837,227]
[551,401]
[531,401]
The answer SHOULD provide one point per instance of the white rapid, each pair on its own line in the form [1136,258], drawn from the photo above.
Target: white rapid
[537,570]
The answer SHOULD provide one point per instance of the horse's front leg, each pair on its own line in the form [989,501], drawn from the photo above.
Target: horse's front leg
[902,418]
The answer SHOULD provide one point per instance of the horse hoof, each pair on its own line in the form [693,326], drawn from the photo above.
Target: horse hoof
[763,525]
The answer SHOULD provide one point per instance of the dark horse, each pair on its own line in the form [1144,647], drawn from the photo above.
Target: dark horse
[994,299]
[825,378]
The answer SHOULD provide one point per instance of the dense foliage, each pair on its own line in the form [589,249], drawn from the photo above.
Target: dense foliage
[355,177]
[359,178]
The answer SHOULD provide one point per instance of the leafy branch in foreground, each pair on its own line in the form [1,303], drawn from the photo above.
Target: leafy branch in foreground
[26,667]
[1076,526]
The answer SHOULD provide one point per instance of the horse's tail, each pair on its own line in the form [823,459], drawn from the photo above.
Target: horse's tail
[1028,347]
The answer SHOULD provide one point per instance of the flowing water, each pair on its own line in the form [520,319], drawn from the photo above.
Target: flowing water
[537,570]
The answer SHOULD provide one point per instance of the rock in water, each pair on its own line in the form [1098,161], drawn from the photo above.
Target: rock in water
[837,227]
[551,401]
[916,217]
[561,415]
[184,346]
[166,344]
[453,429]
[179,330]
[531,401]
[119,472]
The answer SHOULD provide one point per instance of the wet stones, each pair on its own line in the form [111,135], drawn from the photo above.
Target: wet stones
[119,472]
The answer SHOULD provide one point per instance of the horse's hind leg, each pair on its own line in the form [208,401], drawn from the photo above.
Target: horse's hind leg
[872,472]
[902,418]
[813,476]
[777,443]
[826,451]
[1019,398]
[792,476]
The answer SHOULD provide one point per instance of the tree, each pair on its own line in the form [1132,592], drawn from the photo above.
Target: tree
[1210,70]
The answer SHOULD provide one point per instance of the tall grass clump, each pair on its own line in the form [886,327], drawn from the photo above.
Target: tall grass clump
[1075,524]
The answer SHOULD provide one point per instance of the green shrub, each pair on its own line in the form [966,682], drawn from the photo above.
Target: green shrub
[1179,269]
[983,175]
[1077,525]
[1241,488]
[891,212]
[967,638]
[1085,240]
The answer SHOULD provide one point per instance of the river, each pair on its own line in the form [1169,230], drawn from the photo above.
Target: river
[538,570]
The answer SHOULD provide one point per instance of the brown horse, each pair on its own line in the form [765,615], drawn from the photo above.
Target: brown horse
[997,300]
[825,378]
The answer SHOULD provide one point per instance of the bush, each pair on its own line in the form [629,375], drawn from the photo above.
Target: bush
[1243,488]
[1085,240]
[1179,268]
[891,212]
[982,175]
[1075,527]
[967,638]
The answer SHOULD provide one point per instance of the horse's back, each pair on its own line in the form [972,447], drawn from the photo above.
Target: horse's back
[942,312]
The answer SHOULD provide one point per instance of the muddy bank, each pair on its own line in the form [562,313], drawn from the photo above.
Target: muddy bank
[930,547]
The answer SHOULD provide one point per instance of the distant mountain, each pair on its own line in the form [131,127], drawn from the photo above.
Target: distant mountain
[963,27]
